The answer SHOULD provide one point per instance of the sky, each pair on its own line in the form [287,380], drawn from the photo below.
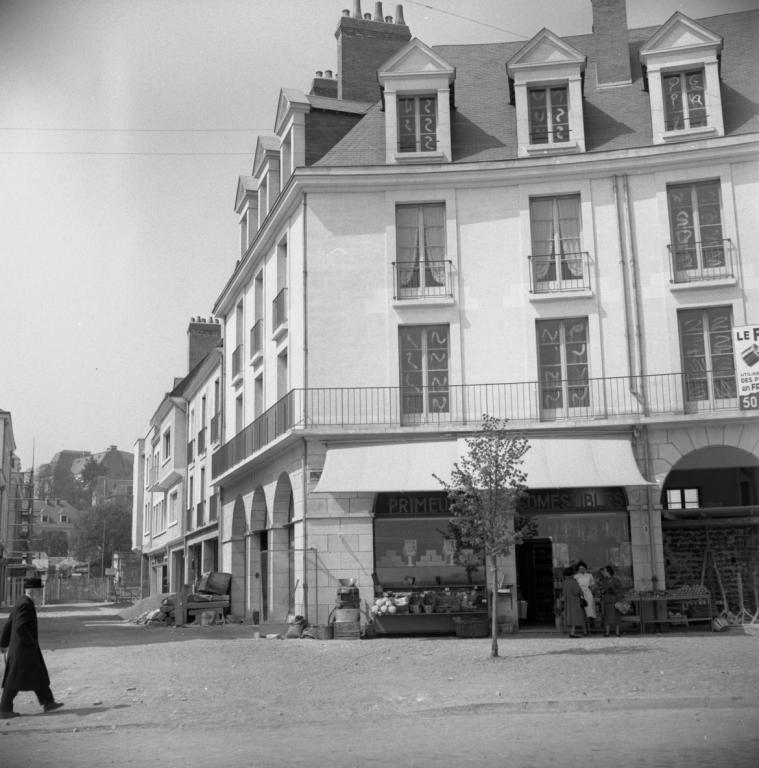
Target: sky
[124,125]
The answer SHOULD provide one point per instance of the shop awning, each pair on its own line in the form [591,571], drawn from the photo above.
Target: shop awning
[387,467]
[575,462]
[409,466]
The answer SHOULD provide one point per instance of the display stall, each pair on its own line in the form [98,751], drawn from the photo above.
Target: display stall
[681,607]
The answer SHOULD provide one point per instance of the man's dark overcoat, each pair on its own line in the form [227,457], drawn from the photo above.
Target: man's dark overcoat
[25,668]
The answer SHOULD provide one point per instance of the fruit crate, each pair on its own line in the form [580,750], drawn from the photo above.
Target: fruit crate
[471,627]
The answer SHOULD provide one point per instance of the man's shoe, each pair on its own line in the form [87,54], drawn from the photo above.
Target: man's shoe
[53,705]
[9,715]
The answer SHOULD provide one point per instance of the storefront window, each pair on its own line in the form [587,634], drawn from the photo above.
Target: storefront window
[412,546]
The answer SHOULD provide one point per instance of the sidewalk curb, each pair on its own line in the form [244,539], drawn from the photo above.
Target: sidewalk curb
[594,705]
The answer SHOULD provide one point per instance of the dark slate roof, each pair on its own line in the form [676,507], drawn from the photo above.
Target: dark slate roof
[483,125]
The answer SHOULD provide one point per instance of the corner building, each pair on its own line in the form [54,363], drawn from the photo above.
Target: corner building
[559,231]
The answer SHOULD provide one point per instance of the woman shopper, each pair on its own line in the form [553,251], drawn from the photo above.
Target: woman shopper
[574,616]
[586,582]
[611,593]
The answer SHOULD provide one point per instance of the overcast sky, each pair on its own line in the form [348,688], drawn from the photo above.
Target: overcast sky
[124,125]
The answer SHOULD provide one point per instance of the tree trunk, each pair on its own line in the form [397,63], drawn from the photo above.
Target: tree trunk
[494,607]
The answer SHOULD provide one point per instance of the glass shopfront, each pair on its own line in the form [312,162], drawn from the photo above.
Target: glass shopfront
[412,546]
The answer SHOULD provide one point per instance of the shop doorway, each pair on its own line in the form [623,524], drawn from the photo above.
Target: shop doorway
[535,581]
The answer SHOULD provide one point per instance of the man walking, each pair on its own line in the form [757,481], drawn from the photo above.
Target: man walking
[25,668]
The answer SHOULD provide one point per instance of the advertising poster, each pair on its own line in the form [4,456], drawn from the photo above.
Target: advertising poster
[746,352]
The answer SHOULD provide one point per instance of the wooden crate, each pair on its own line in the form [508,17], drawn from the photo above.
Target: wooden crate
[347,630]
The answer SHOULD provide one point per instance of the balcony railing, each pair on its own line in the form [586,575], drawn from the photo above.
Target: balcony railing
[422,280]
[216,428]
[190,451]
[202,441]
[279,310]
[623,398]
[559,273]
[696,262]
[257,339]
[200,508]
[237,361]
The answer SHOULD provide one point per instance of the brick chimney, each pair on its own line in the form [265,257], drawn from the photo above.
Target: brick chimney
[203,336]
[363,45]
[612,46]
[324,84]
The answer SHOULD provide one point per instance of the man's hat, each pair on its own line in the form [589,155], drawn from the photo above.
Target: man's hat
[33,582]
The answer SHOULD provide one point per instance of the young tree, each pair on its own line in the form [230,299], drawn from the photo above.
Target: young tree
[101,531]
[87,481]
[486,485]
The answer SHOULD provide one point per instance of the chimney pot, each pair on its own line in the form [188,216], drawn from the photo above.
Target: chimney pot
[378,11]
[367,17]
[356,9]
[346,12]
[388,19]
[319,73]
[399,14]
[328,74]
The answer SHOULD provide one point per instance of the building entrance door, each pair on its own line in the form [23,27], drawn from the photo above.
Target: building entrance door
[535,580]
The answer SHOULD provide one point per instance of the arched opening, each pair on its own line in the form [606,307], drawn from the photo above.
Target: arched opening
[710,524]
[238,562]
[258,566]
[281,551]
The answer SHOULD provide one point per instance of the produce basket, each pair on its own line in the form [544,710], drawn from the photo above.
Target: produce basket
[471,627]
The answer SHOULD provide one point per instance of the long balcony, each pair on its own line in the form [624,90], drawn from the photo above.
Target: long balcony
[525,404]
[699,262]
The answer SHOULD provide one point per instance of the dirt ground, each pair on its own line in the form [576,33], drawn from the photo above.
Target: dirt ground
[129,681]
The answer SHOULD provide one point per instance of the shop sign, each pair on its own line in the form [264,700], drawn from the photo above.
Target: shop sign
[417,504]
[157,559]
[574,498]
[746,355]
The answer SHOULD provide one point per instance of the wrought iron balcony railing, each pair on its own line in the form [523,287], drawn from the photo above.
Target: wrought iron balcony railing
[623,398]
[422,280]
[695,262]
[559,273]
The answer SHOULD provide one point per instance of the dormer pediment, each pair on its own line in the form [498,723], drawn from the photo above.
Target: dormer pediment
[290,101]
[267,151]
[545,50]
[416,60]
[247,187]
[680,34]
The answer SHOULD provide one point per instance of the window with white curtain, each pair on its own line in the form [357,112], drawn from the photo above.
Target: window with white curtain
[420,250]
[557,257]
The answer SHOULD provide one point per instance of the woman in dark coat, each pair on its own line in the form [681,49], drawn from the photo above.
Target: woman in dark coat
[25,668]
[574,613]
[611,592]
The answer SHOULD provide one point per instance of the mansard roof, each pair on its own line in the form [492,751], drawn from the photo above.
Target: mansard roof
[483,125]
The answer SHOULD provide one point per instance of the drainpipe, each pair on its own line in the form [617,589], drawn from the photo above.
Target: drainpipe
[304,392]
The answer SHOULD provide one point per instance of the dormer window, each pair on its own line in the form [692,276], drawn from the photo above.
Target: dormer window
[681,61]
[417,92]
[684,100]
[549,115]
[547,76]
[417,123]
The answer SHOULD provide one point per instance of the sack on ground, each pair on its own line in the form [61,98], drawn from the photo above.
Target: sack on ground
[623,607]
[719,624]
